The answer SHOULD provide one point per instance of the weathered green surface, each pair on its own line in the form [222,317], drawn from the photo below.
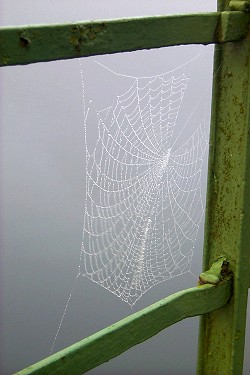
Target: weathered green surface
[134,329]
[228,213]
[243,6]
[29,44]
[222,332]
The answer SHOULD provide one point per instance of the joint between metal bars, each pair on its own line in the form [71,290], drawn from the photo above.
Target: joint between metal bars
[237,5]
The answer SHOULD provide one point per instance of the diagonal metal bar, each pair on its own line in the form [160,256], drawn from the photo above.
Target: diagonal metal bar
[132,330]
[37,43]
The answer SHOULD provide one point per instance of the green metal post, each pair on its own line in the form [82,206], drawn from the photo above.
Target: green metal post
[222,332]
[227,231]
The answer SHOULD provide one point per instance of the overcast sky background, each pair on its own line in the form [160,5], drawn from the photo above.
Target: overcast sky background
[42,167]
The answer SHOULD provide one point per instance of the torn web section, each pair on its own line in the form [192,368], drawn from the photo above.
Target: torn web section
[143,201]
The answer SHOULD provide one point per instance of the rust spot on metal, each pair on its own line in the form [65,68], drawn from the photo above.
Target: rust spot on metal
[6,60]
[238,102]
[24,42]
[85,34]
[238,334]
[228,75]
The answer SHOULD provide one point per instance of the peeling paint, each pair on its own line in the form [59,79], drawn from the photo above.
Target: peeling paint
[85,34]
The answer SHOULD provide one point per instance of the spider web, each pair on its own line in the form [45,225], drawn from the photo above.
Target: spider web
[143,197]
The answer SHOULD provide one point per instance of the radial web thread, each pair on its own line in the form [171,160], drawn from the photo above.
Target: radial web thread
[143,198]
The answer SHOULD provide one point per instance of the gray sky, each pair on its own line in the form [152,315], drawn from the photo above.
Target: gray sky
[43,189]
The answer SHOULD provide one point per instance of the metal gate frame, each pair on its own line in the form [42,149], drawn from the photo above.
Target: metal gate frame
[221,296]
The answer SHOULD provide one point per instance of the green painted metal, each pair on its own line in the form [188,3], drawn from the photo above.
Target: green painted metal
[243,6]
[29,44]
[222,333]
[222,329]
[132,330]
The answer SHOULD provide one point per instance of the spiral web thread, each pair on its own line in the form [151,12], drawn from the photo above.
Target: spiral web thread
[143,199]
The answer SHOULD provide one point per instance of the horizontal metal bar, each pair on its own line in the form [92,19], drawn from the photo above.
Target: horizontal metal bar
[30,44]
[132,330]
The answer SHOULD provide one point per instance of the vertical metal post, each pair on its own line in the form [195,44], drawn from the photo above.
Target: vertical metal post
[227,230]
